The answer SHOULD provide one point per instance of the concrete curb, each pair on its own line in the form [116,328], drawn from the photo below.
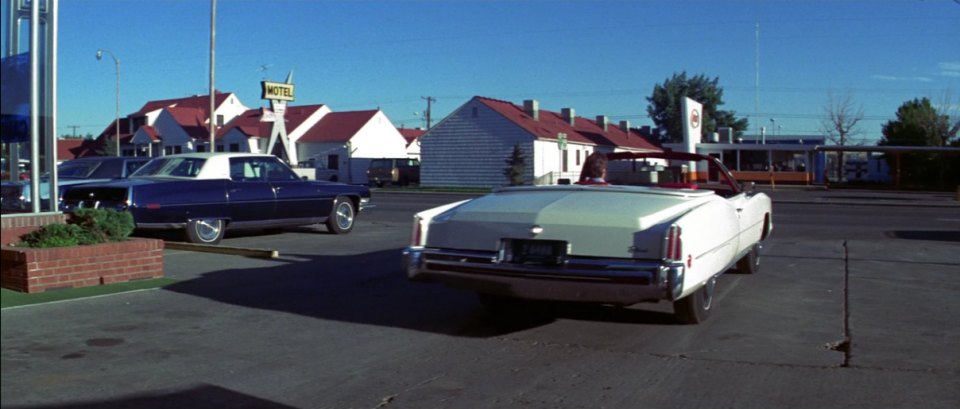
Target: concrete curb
[237,251]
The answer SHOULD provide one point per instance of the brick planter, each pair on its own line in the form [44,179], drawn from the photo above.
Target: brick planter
[36,270]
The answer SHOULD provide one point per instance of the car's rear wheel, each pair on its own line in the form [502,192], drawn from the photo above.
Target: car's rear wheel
[750,263]
[342,217]
[205,231]
[695,308]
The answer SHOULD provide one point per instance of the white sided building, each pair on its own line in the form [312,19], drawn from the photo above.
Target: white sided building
[178,125]
[342,144]
[471,146]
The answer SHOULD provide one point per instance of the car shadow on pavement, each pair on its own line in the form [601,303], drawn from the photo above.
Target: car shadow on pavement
[362,288]
[200,396]
[932,235]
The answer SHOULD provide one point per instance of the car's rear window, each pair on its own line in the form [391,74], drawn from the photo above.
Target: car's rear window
[177,167]
[80,170]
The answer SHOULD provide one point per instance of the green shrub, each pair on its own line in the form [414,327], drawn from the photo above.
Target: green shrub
[86,226]
[107,224]
[59,235]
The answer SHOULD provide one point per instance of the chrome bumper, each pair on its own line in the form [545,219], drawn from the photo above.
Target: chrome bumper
[611,281]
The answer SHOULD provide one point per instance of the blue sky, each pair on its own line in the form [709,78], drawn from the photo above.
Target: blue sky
[599,57]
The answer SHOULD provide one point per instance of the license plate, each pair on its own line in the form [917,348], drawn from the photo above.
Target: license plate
[546,252]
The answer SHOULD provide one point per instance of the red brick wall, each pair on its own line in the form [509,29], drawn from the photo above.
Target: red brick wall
[12,226]
[37,270]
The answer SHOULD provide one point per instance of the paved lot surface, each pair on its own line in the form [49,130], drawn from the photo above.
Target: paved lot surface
[857,306]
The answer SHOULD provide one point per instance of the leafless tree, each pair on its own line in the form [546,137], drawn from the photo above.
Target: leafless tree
[840,124]
[947,124]
[945,127]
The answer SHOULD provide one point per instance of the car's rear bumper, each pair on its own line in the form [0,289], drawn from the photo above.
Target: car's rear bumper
[621,282]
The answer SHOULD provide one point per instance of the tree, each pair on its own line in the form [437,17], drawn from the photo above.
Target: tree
[842,118]
[108,146]
[918,123]
[841,122]
[664,105]
[516,166]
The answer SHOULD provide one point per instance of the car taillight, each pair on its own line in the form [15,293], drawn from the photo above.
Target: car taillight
[417,234]
[673,244]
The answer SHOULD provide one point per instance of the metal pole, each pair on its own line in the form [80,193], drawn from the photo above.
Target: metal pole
[898,171]
[117,114]
[35,107]
[757,79]
[51,74]
[116,125]
[213,106]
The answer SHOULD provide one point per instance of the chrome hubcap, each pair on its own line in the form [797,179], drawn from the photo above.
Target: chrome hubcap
[708,290]
[208,229]
[344,216]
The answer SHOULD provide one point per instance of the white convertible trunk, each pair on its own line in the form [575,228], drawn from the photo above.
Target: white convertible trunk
[597,221]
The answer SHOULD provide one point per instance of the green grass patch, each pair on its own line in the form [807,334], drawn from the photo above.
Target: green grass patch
[9,298]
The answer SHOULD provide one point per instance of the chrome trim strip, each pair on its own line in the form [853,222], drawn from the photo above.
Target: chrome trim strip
[621,282]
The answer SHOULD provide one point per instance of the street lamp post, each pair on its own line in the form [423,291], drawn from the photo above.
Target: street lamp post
[116,125]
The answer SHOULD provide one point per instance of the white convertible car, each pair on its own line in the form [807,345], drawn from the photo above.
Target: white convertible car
[645,237]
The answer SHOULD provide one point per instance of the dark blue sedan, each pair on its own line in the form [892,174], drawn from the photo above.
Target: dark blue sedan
[206,193]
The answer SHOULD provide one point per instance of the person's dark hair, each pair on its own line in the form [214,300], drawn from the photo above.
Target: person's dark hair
[594,166]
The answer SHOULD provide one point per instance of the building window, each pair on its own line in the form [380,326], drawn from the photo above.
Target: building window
[578,158]
[201,148]
[219,148]
[219,121]
[563,156]
[234,147]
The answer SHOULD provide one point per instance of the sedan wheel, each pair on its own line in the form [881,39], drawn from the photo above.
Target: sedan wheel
[695,308]
[205,231]
[342,217]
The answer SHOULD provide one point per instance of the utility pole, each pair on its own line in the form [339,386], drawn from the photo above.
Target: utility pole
[213,105]
[757,79]
[430,100]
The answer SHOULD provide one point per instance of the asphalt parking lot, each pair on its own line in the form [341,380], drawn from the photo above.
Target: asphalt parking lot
[856,306]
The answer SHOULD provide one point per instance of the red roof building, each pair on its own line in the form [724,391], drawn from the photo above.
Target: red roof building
[412,136]
[471,145]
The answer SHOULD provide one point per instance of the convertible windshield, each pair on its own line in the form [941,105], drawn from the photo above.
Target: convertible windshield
[173,167]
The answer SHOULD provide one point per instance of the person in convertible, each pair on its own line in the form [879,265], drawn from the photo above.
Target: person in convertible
[594,170]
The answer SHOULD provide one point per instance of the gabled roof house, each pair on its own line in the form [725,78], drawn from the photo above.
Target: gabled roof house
[347,141]
[470,147]
[343,141]
[412,136]
[250,131]
[175,125]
